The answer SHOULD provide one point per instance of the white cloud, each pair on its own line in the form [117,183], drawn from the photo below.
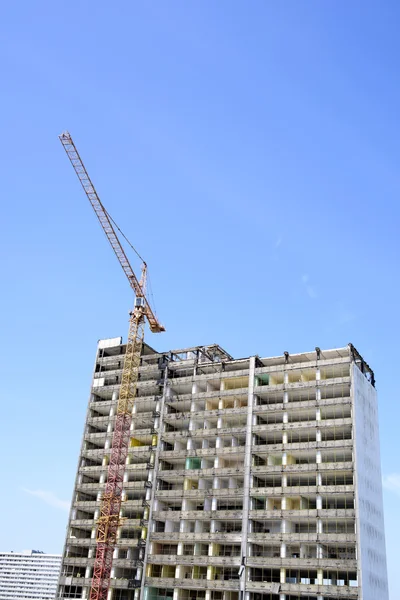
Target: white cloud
[49,498]
[392,482]
[310,289]
[278,242]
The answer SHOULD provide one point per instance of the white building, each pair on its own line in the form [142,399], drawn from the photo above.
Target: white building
[30,574]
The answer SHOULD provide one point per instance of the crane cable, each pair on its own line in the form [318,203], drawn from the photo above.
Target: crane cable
[124,236]
[137,254]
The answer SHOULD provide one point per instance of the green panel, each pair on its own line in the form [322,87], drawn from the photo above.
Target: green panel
[193,463]
[262,379]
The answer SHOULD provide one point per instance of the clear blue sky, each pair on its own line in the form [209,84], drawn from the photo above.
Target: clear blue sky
[251,152]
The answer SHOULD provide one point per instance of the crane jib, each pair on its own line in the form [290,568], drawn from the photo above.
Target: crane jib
[107,226]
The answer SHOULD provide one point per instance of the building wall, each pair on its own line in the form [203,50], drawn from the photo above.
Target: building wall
[369,501]
[28,575]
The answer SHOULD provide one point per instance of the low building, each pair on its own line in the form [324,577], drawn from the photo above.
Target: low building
[30,574]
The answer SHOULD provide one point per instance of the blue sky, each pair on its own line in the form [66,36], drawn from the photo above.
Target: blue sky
[250,151]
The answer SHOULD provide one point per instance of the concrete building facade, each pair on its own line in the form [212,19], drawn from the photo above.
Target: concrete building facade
[29,575]
[264,482]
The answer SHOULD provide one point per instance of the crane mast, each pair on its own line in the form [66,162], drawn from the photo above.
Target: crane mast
[109,519]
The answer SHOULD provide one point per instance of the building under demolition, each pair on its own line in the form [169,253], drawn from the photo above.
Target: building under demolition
[249,479]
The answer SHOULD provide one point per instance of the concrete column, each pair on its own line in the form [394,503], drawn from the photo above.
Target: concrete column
[285,417]
[318,458]
[318,374]
[319,551]
[286,378]
[318,435]
[319,502]
[320,577]
[319,479]
[283,575]
[247,466]
[176,594]
[88,572]
[284,437]
[150,492]
[110,594]
[284,458]
[285,397]
[282,596]
[178,572]
[284,480]
[218,462]
[283,504]
[318,393]
[318,414]
[283,550]
[319,526]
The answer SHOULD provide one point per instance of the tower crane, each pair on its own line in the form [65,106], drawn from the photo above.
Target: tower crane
[109,519]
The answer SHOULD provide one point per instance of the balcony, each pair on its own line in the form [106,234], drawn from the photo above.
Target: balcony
[305,563]
[196,515]
[322,538]
[229,538]
[187,583]
[310,468]
[173,559]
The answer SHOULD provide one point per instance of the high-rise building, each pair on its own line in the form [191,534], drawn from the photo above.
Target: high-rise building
[265,483]
[30,574]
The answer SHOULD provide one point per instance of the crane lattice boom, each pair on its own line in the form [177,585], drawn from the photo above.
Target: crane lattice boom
[107,226]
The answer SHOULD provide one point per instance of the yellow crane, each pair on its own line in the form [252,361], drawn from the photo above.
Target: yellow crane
[108,522]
